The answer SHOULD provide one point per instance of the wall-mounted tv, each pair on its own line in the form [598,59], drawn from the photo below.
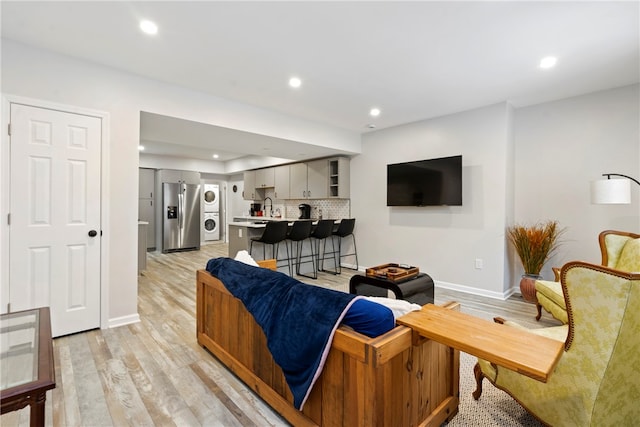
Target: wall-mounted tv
[431,182]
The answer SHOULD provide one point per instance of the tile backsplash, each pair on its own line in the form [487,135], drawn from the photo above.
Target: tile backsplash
[330,208]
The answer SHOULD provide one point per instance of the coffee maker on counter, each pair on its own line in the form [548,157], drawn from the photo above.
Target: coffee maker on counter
[254,209]
[305,211]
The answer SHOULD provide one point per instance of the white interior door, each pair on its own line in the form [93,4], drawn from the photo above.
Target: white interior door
[54,256]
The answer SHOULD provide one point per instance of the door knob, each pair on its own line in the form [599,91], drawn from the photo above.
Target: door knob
[93,233]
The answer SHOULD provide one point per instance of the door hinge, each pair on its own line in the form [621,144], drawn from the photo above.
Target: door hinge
[8,219]
[8,307]
[9,129]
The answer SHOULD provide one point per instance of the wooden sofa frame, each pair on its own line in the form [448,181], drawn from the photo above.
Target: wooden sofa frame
[396,379]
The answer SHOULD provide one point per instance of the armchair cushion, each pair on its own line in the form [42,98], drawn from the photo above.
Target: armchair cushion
[613,245]
[549,295]
[629,259]
[551,290]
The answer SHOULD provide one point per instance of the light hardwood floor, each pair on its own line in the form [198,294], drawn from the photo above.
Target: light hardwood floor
[154,373]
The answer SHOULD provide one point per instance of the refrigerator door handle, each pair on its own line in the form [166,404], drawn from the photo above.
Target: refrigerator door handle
[181,211]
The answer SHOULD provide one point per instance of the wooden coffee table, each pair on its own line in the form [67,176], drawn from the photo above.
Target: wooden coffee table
[26,362]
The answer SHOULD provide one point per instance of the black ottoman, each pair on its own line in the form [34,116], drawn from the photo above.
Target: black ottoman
[418,290]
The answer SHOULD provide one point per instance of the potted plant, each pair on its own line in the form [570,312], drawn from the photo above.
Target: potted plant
[534,244]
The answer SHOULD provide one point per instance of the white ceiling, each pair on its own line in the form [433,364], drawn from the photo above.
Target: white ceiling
[413,60]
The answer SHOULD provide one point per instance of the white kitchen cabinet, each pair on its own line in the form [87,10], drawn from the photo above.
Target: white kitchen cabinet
[265,178]
[249,192]
[146,213]
[309,180]
[339,178]
[190,177]
[298,181]
[146,204]
[281,182]
[174,176]
[318,179]
[146,184]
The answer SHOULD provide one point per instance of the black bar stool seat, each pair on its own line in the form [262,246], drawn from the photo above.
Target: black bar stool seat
[322,231]
[299,232]
[345,229]
[274,233]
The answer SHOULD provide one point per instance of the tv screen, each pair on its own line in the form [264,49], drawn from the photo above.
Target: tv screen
[432,182]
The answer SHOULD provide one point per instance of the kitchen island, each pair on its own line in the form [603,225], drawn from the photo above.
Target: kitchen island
[242,229]
[240,233]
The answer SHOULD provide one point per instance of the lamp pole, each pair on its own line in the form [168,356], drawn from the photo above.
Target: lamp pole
[609,175]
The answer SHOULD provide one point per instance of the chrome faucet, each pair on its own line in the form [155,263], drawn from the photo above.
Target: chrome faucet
[270,211]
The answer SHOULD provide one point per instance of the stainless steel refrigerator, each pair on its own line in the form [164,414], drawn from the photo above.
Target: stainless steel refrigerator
[180,217]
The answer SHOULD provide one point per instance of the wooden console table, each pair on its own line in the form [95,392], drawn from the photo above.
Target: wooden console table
[521,351]
[26,362]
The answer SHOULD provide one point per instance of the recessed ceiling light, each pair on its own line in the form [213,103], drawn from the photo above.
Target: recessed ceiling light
[548,62]
[148,27]
[295,82]
[375,112]
[140,147]
[215,156]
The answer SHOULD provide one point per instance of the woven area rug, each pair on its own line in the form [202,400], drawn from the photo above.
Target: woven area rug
[494,408]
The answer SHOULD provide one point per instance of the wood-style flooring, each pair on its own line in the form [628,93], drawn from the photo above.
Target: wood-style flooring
[154,372]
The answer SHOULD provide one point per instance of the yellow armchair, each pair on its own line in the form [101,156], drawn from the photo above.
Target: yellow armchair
[620,250]
[597,379]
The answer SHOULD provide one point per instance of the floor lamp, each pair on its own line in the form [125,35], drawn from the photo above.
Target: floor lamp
[612,191]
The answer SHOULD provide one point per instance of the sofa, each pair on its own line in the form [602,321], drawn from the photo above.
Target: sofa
[394,379]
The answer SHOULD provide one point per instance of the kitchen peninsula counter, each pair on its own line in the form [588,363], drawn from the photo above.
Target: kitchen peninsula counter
[241,232]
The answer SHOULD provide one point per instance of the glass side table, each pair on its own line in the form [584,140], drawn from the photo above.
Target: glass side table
[26,362]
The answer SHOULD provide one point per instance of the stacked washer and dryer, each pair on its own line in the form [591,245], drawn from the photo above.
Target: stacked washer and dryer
[211,201]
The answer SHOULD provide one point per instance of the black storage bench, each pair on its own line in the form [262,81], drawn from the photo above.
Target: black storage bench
[418,290]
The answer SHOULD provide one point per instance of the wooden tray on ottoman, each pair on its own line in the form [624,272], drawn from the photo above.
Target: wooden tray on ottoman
[393,272]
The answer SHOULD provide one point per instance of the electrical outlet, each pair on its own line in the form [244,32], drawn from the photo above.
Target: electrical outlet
[479,264]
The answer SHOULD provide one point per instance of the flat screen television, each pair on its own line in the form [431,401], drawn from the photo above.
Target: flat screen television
[431,182]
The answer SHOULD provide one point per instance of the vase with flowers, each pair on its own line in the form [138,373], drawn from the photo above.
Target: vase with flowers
[534,244]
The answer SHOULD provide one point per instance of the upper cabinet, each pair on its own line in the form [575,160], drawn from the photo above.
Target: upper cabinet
[339,178]
[281,182]
[249,192]
[176,176]
[316,179]
[146,183]
[265,178]
[298,181]
[309,180]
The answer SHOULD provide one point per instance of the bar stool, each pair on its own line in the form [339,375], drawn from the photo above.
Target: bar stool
[299,232]
[274,233]
[322,231]
[345,229]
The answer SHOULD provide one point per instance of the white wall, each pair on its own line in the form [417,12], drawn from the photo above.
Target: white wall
[560,147]
[519,165]
[44,75]
[442,241]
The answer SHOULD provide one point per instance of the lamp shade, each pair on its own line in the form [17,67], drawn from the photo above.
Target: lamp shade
[611,191]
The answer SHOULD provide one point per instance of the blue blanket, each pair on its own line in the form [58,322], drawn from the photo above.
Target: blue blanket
[298,320]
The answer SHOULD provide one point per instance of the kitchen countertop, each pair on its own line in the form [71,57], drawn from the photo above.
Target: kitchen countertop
[248,224]
[254,224]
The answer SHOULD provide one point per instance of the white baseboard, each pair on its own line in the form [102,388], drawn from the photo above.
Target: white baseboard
[124,320]
[475,291]
[352,266]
